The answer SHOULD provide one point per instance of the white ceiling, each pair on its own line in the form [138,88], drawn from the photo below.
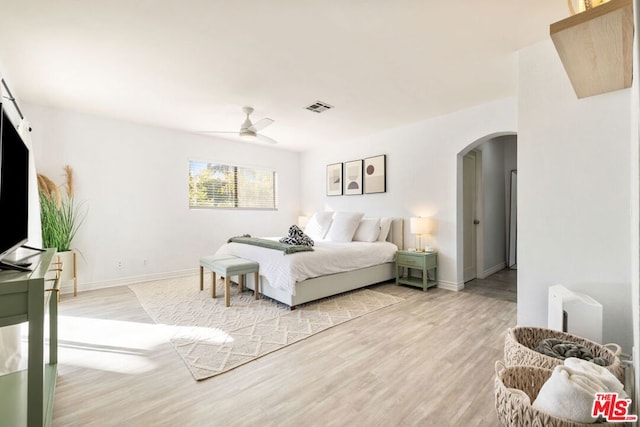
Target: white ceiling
[192,64]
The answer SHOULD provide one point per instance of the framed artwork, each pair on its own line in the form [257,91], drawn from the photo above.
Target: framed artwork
[375,174]
[334,179]
[353,177]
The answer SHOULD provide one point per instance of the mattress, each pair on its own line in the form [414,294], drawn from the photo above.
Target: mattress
[284,271]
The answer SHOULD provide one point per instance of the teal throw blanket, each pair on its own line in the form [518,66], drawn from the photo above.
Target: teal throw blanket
[270,244]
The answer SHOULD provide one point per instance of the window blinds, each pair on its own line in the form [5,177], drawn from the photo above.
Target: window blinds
[214,185]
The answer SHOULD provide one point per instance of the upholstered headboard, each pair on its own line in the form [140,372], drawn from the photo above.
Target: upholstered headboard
[396,233]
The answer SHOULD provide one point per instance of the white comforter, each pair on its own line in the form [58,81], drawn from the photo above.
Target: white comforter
[283,271]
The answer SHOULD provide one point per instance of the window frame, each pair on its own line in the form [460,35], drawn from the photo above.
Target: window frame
[236,199]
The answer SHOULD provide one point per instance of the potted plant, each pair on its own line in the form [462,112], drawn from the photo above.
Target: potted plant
[61,218]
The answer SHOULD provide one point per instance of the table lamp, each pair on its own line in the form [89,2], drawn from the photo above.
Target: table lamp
[419,226]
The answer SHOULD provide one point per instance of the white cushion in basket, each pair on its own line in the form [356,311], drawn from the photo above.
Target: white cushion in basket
[318,225]
[368,230]
[343,226]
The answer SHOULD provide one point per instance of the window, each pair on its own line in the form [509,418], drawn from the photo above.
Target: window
[212,185]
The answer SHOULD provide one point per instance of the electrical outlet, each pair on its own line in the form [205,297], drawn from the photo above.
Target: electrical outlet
[120,264]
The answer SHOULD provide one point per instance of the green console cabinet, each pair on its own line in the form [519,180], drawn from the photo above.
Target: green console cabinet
[26,397]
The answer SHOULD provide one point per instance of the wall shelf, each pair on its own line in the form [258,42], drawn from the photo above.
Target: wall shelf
[596,47]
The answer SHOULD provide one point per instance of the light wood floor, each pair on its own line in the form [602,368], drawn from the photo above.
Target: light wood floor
[427,361]
[502,285]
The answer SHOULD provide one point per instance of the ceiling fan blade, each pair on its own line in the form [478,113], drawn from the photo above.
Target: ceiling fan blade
[263,138]
[260,124]
[217,131]
[235,136]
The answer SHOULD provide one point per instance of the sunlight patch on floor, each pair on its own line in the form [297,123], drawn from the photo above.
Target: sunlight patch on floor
[120,346]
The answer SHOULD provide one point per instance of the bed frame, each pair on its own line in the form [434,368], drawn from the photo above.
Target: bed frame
[332,284]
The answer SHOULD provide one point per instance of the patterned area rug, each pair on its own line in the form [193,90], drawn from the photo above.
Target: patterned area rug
[212,339]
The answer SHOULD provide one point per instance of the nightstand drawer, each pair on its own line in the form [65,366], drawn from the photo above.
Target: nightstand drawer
[407,260]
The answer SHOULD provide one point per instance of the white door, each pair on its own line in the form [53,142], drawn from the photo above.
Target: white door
[469,215]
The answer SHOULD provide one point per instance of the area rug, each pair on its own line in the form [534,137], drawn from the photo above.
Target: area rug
[212,338]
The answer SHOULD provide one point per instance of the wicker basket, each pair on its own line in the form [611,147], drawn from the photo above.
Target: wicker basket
[513,410]
[520,342]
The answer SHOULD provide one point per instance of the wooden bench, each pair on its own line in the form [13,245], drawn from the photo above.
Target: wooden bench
[227,266]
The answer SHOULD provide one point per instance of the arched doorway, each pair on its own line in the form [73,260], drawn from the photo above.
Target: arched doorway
[483,205]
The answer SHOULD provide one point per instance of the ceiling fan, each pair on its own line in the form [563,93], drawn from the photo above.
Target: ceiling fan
[248,130]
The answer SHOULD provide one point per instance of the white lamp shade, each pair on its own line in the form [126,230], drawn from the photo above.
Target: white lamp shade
[420,225]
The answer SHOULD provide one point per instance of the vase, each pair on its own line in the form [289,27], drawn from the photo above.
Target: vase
[67,261]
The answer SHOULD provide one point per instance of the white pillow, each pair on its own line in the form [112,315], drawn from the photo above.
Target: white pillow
[343,226]
[385,226]
[318,225]
[368,230]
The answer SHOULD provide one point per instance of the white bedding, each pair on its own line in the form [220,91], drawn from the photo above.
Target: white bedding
[283,271]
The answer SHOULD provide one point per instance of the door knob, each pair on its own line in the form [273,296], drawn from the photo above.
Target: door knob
[476,222]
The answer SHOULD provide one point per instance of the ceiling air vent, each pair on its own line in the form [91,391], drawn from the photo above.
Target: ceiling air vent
[319,107]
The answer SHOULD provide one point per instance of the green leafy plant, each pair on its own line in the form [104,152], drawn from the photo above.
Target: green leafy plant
[60,215]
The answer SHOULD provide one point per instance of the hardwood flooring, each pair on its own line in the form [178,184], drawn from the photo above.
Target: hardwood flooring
[427,361]
[502,285]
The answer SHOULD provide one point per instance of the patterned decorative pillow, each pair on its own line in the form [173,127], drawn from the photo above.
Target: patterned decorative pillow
[297,237]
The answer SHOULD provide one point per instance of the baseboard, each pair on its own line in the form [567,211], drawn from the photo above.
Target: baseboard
[492,270]
[67,288]
[451,286]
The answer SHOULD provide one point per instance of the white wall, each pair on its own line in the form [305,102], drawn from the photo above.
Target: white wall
[635,199]
[133,182]
[573,198]
[423,170]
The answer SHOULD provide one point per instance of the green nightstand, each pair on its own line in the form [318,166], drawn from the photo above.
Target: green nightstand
[423,261]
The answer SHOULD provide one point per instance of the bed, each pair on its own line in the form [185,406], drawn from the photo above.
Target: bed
[332,268]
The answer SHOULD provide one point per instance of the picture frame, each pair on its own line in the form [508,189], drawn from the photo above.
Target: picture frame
[334,179]
[375,174]
[353,177]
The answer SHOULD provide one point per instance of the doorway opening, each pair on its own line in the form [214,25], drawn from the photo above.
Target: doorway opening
[487,208]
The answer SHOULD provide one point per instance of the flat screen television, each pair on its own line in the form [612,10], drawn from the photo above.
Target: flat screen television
[14,190]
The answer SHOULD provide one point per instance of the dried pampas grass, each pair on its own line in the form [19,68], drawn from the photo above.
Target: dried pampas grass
[69,172]
[49,188]
[59,214]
